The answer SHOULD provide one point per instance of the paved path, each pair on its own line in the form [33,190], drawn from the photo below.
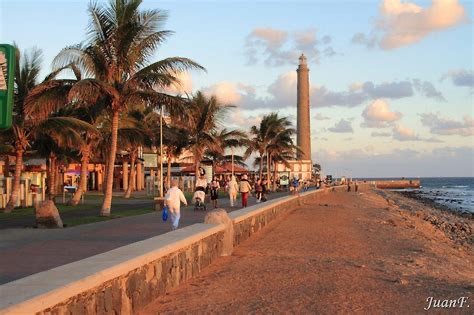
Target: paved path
[347,254]
[25,251]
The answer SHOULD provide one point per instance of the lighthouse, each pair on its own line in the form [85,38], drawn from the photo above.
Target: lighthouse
[303,130]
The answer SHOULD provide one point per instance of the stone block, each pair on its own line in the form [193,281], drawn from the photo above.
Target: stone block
[220,216]
[47,215]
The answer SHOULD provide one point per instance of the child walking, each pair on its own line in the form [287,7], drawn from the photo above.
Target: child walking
[173,200]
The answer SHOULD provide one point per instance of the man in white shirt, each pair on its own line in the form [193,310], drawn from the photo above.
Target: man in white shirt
[173,200]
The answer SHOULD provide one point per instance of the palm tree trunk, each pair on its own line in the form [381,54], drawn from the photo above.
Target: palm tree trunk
[16,181]
[85,152]
[168,174]
[131,179]
[196,167]
[260,172]
[6,167]
[275,174]
[52,176]
[268,166]
[106,205]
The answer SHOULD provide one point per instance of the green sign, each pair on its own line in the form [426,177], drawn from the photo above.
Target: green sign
[7,78]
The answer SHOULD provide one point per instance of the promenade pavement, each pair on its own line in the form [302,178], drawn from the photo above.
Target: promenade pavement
[25,251]
[348,253]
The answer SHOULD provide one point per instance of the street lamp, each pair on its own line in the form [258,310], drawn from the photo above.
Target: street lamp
[232,150]
[161,150]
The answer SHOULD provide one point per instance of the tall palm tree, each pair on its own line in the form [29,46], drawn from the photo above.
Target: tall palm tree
[205,116]
[122,39]
[262,136]
[227,139]
[25,126]
[26,78]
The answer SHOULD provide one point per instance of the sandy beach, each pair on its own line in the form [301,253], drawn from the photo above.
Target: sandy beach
[366,252]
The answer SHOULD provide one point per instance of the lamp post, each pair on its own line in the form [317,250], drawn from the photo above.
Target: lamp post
[161,151]
[232,150]
[160,201]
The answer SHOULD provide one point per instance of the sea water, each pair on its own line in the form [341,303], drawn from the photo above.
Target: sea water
[455,192]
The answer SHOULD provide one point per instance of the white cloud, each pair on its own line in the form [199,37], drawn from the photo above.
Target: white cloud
[445,126]
[379,115]
[320,116]
[428,90]
[380,134]
[241,120]
[443,161]
[282,93]
[225,92]
[403,133]
[279,47]
[342,126]
[461,77]
[185,85]
[404,23]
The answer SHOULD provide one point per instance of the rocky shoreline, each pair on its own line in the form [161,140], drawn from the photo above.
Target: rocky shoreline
[459,227]
[432,203]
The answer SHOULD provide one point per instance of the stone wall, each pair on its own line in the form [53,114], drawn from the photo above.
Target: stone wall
[116,289]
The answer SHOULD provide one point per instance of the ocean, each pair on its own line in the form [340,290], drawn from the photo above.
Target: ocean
[457,193]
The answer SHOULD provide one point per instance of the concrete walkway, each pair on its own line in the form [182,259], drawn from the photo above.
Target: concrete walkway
[25,251]
[348,253]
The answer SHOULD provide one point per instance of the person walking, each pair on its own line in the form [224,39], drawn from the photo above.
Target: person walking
[264,189]
[356,186]
[233,189]
[258,190]
[214,191]
[173,200]
[244,188]
[295,183]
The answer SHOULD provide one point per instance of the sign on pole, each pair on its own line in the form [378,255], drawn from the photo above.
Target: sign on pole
[7,78]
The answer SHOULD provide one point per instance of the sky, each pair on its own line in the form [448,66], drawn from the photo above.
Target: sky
[391,81]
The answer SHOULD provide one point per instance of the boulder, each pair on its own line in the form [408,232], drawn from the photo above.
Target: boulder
[47,215]
[219,216]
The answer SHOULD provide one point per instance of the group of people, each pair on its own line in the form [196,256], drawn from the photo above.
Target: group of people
[233,188]
[174,196]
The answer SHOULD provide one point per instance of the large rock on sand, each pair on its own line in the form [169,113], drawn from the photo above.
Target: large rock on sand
[219,216]
[47,215]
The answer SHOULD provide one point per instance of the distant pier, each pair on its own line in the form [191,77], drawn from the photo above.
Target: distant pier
[398,184]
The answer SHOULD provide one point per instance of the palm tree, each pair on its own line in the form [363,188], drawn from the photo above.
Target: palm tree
[131,137]
[204,118]
[116,56]
[228,139]
[25,126]
[56,138]
[263,136]
[26,77]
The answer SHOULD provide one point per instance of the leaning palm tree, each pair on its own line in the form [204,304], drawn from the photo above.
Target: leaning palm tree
[26,78]
[25,125]
[205,116]
[122,39]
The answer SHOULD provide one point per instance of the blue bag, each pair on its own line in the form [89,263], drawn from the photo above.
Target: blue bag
[164,214]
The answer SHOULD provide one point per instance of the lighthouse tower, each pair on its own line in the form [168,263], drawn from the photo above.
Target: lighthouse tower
[303,130]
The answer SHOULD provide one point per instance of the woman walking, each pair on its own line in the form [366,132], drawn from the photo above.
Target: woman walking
[258,190]
[244,188]
[173,200]
[214,191]
[233,189]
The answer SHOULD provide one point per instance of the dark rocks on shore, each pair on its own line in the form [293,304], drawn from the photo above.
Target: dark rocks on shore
[457,225]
